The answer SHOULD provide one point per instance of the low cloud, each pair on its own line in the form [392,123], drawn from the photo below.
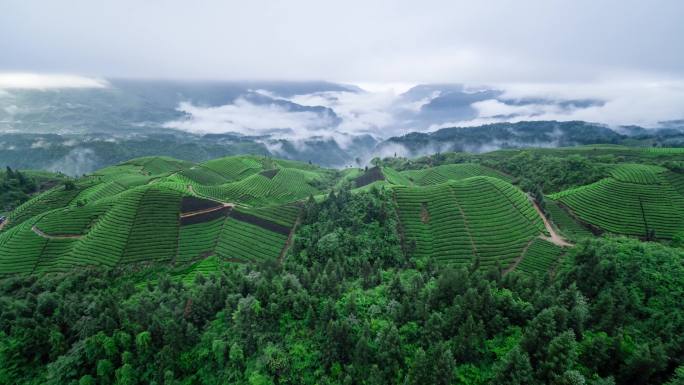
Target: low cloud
[361,112]
[48,81]
[77,162]
[274,147]
[383,112]
[643,103]
[11,109]
[390,149]
[247,118]
[336,115]
[41,143]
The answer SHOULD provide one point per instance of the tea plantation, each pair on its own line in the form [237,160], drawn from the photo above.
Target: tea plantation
[481,219]
[636,200]
[244,209]
[158,209]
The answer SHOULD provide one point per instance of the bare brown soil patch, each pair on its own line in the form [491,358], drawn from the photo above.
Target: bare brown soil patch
[424,213]
[261,222]
[191,204]
[555,238]
[205,215]
[372,175]
[40,233]
[269,173]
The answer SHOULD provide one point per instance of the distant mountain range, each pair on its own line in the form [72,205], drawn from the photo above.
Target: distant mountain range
[79,130]
[505,135]
[533,134]
[135,105]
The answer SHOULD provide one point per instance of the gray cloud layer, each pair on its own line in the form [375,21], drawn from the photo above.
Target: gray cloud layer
[386,113]
[498,41]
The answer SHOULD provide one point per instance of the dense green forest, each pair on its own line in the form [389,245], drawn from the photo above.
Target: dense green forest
[348,306]
[77,153]
[17,186]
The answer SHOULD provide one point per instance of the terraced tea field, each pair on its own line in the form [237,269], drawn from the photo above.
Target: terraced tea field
[637,200]
[565,222]
[160,209]
[444,173]
[244,209]
[387,176]
[540,257]
[459,222]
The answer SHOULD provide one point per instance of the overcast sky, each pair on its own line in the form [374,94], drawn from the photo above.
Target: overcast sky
[476,42]
[627,54]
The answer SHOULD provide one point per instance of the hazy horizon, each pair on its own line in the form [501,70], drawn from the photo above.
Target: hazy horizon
[610,62]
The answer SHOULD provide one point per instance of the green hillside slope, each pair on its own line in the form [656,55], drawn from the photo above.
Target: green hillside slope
[246,208]
[637,200]
[152,209]
[443,173]
[478,218]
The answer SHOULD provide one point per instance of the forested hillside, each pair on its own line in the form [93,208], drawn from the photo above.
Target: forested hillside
[17,186]
[349,306]
[513,267]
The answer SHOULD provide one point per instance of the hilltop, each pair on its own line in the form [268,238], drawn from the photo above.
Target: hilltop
[163,210]
[246,209]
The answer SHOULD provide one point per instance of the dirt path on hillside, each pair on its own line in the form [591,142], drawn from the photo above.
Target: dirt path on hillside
[288,242]
[555,238]
[40,233]
[517,260]
[231,204]
[2,225]
[204,211]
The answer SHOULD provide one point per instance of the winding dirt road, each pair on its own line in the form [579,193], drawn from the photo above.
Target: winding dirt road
[555,238]
[517,260]
[204,211]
